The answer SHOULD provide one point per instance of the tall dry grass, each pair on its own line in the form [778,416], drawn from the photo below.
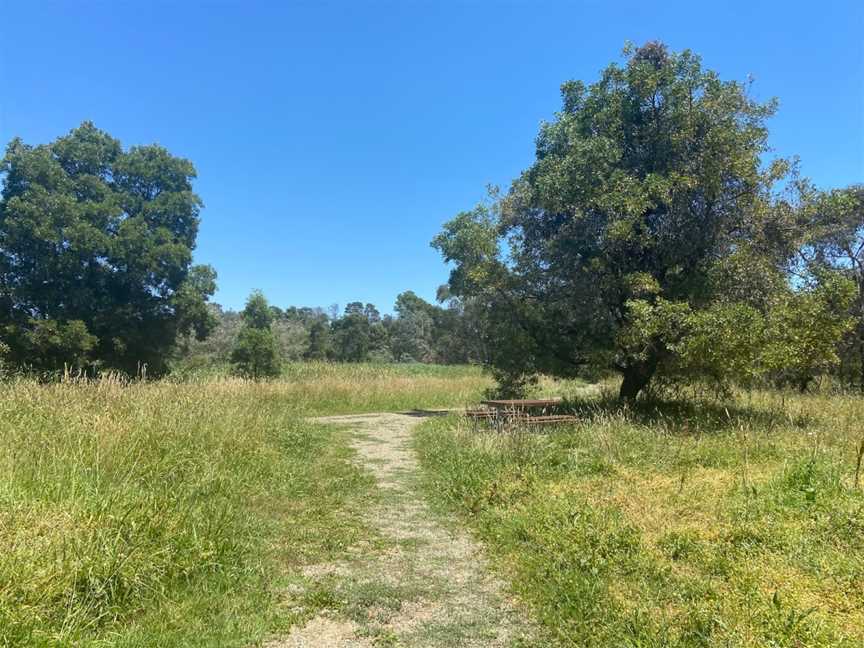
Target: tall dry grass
[331,388]
[166,513]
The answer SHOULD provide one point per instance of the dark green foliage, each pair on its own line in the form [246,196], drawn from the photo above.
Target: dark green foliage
[96,254]
[834,245]
[351,337]
[359,335]
[319,341]
[256,352]
[419,332]
[803,330]
[430,333]
[258,313]
[647,204]
[56,344]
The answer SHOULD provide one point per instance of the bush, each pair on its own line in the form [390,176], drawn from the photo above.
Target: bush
[256,354]
[257,350]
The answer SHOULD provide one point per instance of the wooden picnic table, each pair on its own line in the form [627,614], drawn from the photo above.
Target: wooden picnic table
[522,404]
[505,413]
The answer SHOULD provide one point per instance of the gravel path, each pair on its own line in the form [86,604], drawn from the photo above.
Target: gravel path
[430,586]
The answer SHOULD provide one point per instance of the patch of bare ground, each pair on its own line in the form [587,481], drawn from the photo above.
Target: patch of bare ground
[428,586]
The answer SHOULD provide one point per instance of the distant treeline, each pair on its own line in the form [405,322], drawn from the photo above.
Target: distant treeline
[418,331]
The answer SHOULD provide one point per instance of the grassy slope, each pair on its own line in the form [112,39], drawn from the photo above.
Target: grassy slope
[680,526]
[171,513]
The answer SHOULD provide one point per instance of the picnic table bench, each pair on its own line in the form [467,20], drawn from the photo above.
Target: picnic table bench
[507,412]
[523,404]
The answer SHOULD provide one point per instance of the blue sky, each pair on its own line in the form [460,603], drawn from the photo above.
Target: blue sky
[332,139]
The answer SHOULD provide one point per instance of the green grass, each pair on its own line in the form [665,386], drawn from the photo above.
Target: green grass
[672,525]
[180,512]
[331,388]
[175,512]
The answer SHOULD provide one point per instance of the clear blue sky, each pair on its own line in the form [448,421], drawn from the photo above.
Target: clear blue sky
[332,140]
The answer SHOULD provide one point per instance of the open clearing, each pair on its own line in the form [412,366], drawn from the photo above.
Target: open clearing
[430,586]
[229,513]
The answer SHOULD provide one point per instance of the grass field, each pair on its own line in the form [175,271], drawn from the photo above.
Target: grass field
[171,513]
[180,512]
[329,388]
[673,525]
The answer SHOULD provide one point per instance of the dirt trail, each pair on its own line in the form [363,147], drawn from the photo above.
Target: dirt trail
[430,587]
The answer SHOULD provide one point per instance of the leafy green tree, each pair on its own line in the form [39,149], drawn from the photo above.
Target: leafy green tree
[460,337]
[355,308]
[257,354]
[258,314]
[411,332]
[723,344]
[420,331]
[410,338]
[351,335]
[804,329]
[432,333]
[96,254]
[372,313]
[351,338]
[360,335]
[320,346]
[379,343]
[58,344]
[834,245]
[646,185]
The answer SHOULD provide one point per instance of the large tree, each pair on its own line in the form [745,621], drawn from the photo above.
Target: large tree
[649,191]
[96,254]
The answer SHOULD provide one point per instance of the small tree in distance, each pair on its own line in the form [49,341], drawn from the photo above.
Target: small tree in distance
[256,353]
[319,341]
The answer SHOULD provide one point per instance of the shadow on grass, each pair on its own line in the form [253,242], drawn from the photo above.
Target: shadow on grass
[689,416]
[424,413]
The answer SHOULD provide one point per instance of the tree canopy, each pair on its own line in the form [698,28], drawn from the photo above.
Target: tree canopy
[256,351]
[418,331]
[834,245]
[96,254]
[649,204]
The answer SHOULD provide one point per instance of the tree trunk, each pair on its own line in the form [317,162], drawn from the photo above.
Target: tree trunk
[637,375]
[861,353]
[859,338]
[859,328]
